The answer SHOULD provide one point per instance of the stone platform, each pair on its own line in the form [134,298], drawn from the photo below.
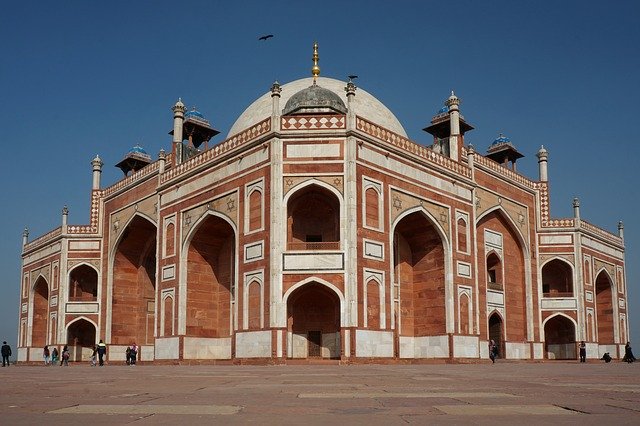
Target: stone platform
[504,393]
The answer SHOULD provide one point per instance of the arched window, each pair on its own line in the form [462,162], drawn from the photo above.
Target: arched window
[587,272]
[463,306]
[462,235]
[373,305]
[313,220]
[494,272]
[255,210]
[170,239]
[372,208]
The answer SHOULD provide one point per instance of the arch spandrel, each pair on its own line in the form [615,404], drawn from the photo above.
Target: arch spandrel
[518,213]
[147,208]
[75,262]
[401,202]
[568,257]
[227,205]
[44,271]
[599,265]
[288,183]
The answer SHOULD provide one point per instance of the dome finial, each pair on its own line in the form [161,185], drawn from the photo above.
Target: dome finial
[315,71]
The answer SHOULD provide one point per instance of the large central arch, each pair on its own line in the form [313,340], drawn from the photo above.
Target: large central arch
[134,281]
[423,284]
[313,321]
[604,308]
[40,311]
[210,270]
[505,237]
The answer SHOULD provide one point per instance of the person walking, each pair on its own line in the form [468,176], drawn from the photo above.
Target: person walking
[54,356]
[6,353]
[102,351]
[46,354]
[583,351]
[92,361]
[493,351]
[64,359]
[133,354]
[628,353]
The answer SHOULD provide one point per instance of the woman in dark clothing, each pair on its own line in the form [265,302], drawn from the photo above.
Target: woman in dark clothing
[628,353]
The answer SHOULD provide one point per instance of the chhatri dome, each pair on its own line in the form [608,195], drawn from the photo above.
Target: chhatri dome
[315,95]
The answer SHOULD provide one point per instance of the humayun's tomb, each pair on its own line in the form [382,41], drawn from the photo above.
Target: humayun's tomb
[318,230]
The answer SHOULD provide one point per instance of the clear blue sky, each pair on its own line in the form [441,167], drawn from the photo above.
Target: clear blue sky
[80,78]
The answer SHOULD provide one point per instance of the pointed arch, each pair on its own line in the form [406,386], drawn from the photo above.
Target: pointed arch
[313,213]
[39,312]
[559,335]
[336,290]
[557,277]
[520,326]
[131,299]
[221,303]
[83,285]
[605,308]
[314,318]
[81,337]
[447,251]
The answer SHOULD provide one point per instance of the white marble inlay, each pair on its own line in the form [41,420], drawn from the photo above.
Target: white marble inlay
[313,261]
[313,150]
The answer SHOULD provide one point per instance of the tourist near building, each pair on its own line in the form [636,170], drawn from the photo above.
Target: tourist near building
[317,230]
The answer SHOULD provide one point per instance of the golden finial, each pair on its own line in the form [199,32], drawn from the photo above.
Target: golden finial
[315,71]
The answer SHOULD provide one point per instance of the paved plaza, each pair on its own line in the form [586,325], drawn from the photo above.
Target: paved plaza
[504,393]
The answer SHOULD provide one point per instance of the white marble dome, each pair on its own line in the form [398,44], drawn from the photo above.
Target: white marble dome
[365,105]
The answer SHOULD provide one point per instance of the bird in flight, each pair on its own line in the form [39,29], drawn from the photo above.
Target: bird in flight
[264,37]
[352,77]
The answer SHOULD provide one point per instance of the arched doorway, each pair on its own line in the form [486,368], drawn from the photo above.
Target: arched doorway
[83,284]
[81,336]
[134,280]
[560,338]
[557,279]
[419,273]
[39,336]
[313,322]
[211,279]
[604,309]
[496,333]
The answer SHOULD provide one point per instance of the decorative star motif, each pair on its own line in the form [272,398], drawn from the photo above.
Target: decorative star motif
[397,203]
[478,202]
[187,221]
[288,182]
[116,224]
[521,218]
[231,204]
[443,218]
[337,181]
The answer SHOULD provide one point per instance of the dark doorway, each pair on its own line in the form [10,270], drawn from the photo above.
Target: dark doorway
[315,343]
[495,332]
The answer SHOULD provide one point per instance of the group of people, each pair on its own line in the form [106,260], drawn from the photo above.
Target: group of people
[131,354]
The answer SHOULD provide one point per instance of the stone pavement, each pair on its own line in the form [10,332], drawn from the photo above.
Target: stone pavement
[504,393]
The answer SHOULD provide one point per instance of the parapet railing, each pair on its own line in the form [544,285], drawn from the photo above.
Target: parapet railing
[406,145]
[606,235]
[324,245]
[143,172]
[43,238]
[223,147]
[501,170]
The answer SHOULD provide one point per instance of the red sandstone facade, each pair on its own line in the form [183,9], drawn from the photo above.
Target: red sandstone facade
[320,231]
